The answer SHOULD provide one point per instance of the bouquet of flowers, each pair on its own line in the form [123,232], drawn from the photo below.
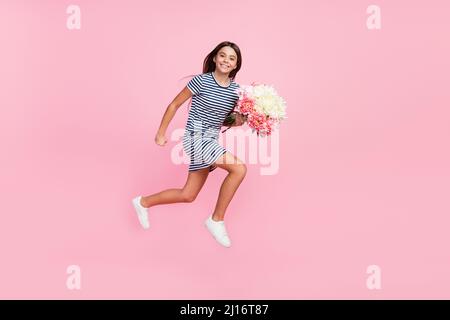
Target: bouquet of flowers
[260,106]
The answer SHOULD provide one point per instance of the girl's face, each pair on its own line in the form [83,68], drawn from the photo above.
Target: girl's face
[226,59]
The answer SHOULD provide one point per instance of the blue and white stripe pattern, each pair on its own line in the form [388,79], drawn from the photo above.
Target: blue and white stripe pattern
[211,103]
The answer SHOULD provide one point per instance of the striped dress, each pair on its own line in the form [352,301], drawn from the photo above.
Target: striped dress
[211,103]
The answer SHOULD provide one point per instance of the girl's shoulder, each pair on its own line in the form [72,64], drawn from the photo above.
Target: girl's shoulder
[203,78]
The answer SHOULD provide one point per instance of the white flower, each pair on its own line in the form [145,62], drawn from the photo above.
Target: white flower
[267,100]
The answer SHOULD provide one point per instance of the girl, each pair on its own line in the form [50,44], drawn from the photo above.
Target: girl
[214,97]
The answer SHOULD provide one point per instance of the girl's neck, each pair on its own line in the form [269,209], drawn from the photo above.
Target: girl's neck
[222,78]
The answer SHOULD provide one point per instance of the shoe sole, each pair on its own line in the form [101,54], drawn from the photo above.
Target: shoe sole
[137,209]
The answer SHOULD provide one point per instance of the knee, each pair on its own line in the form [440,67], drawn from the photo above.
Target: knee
[241,170]
[188,197]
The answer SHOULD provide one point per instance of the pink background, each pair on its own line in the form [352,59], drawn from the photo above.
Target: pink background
[364,157]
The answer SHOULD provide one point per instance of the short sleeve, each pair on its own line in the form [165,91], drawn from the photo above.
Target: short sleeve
[195,84]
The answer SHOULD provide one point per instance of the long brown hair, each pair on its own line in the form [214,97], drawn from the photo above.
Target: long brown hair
[209,65]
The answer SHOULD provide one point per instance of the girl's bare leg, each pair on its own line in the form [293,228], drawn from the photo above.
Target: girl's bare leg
[236,173]
[194,183]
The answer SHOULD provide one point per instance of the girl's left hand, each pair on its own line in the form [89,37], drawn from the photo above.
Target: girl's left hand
[239,120]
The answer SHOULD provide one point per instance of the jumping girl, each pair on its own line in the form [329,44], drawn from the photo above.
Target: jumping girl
[214,97]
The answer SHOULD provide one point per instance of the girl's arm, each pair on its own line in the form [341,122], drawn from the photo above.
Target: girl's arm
[169,114]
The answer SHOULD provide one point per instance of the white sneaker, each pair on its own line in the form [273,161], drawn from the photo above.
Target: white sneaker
[141,212]
[218,230]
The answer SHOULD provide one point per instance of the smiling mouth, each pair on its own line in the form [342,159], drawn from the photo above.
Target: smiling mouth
[225,66]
